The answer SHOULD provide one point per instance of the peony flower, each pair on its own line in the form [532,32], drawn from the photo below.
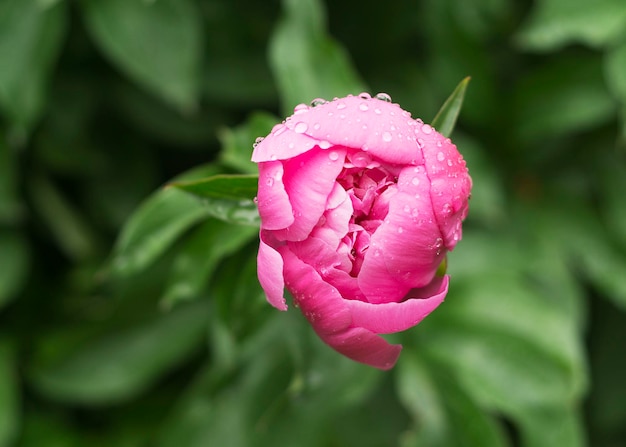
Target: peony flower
[359,204]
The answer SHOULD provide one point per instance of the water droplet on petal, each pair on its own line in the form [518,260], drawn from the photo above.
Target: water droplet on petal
[449,162]
[269,182]
[383,97]
[441,156]
[300,127]
[400,230]
[377,111]
[273,157]
[316,126]
[341,105]
[426,128]
[333,156]
[365,95]
[257,141]
[318,102]
[407,209]
[300,108]
[420,143]
[415,181]
[386,137]
[363,107]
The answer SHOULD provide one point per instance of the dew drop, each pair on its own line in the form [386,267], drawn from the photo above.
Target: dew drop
[341,106]
[300,127]
[415,181]
[300,108]
[400,230]
[333,156]
[324,144]
[383,97]
[407,209]
[278,129]
[269,182]
[316,126]
[426,128]
[386,137]
[257,141]
[441,156]
[363,107]
[447,209]
[420,143]
[273,157]
[449,162]
[318,102]
[365,95]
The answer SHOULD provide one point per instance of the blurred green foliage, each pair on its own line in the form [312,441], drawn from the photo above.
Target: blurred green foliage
[131,314]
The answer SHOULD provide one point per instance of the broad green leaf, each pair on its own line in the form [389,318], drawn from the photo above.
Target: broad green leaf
[31,34]
[555,23]
[443,414]
[9,393]
[157,224]
[123,363]
[306,62]
[14,263]
[446,117]
[237,143]
[510,347]
[552,427]
[156,43]
[567,94]
[200,255]
[222,186]
[615,67]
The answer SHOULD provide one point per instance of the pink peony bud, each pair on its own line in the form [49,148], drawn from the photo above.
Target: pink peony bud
[359,204]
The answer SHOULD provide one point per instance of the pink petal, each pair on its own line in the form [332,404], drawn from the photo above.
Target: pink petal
[330,317]
[450,186]
[387,318]
[381,128]
[282,144]
[309,179]
[406,249]
[270,273]
[272,199]
[365,347]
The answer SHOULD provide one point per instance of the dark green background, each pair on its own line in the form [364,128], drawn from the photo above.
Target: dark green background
[131,314]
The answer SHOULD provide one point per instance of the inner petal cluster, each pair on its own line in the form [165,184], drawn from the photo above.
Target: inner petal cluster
[370,185]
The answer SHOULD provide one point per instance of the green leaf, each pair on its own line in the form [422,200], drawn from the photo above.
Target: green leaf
[9,394]
[306,62]
[31,34]
[568,94]
[614,68]
[14,263]
[511,347]
[555,23]
[443,414]
[446,117]
[156,43]
[222,186]
[552,427]
[237,143]
[125,362]
[200,255]
[157,224]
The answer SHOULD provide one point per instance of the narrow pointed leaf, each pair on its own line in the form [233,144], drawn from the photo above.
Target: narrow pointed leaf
[445,119]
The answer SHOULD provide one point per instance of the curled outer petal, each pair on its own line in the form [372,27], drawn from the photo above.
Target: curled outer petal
[331,318]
